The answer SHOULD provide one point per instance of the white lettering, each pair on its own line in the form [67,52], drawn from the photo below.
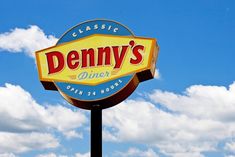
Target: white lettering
[88,28]
[95,27]
[115,30]
[74,34]
[80,31]
[103,26]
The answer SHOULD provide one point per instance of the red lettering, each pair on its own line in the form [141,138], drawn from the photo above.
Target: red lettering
[137,54]
[85,58]
[101,52]
[56,61]
[119,58]
[52,67]
[72,59]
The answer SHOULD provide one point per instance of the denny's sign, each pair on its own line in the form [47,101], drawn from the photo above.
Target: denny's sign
[98,62]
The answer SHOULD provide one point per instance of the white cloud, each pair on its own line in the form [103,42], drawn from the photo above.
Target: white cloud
[47,155]
[23,113]
[183,125]
[7,155]
[82,155]
[22,116]
[108,136]
[230,146]
[64,120]
[73,134]
[140,121]
[26,40]
[51,155]
[22,142]
[55,155]
[157,74]
[205,102]
[134,152]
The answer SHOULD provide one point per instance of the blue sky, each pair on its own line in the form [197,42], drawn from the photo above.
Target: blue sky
[187,111]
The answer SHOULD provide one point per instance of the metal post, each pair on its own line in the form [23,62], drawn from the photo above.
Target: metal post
[96,132]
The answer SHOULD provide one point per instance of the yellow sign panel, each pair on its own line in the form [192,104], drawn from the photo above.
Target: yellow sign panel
[96,59]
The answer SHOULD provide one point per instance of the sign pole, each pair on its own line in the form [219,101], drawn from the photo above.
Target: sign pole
[96,132]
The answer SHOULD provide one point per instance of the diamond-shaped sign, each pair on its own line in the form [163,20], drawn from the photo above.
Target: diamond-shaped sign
[96,59]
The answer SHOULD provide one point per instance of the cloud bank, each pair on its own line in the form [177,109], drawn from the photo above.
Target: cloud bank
[26,125]
[179,125]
